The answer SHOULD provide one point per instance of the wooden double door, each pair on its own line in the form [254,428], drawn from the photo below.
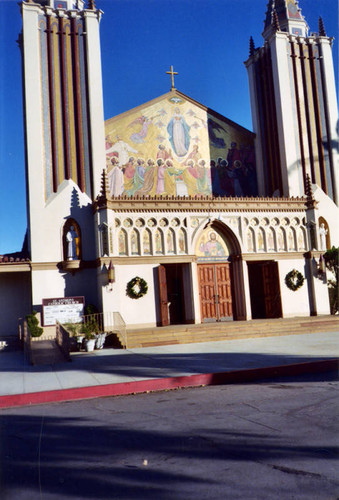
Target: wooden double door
[215,291]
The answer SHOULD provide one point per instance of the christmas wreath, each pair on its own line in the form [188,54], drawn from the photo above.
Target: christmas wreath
[137,288]
[294,280]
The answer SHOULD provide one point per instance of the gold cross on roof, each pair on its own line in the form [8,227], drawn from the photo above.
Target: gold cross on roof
[172,73]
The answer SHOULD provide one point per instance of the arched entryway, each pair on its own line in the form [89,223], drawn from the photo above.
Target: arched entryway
[220,274]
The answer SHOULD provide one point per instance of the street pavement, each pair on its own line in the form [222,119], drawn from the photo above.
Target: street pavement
[110,372]
[273,440]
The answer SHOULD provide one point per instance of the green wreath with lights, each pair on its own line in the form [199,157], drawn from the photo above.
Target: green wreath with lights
[294,280]
[137,288]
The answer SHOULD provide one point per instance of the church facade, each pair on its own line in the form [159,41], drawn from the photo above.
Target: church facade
[170,213]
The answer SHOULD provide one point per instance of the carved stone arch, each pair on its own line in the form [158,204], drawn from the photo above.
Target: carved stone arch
[67,228]
[236,267]
[226,233]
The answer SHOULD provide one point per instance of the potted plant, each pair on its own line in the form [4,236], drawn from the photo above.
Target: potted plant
[89,341]
[100,340]
[89,329]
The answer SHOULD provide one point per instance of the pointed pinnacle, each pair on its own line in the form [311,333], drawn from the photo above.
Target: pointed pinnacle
[104,184]
[252,47]
[309,191]
[275,21]
[322,31]
[91,4]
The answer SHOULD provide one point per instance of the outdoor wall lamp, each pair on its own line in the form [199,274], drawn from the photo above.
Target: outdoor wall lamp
[111,273]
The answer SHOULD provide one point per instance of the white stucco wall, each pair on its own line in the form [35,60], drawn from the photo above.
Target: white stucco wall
[294,303]
[134,312]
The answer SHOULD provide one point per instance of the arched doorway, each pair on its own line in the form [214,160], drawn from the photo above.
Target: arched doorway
[220,274]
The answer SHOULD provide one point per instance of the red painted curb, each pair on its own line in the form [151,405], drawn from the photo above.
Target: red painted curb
[125,388]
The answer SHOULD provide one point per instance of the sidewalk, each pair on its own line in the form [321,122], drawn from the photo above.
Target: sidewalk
[112,372]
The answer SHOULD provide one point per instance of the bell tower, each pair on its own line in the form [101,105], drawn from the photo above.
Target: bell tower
[64,122]
[294,104]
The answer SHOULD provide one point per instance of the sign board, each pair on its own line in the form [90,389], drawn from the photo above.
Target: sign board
[64,310]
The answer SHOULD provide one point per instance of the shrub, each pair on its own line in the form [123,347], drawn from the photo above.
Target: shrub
[33,325]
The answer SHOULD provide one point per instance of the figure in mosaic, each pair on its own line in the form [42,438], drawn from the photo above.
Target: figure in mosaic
[178,131]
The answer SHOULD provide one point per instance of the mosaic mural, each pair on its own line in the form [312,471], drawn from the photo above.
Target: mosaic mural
[211,247]
[174,147]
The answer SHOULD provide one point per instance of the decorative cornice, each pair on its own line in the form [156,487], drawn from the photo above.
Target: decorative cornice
[15,267]
[199,204]
[145,259]
[248,257]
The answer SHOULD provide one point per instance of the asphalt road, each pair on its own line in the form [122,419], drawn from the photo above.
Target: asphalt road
[273,440]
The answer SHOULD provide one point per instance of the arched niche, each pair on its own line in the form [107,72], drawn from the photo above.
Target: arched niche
[271,243]
[122,242]
[301,239]
[147,242]
[135,242]
[281,240]
[324,234]
[250,240]
[291,239]
[71,240]
[159,241]
[261,243]
[170,241]
[182,240]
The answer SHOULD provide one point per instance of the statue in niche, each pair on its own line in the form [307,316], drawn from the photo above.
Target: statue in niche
[71,237]
[323,233]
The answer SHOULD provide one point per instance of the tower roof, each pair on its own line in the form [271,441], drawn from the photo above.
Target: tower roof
[290,18]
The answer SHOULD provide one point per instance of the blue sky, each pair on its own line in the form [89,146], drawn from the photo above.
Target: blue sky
[205,40]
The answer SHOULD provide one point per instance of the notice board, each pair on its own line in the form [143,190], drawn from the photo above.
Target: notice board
[64,310]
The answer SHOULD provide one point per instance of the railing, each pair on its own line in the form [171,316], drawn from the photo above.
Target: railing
[62,339]
[109,322]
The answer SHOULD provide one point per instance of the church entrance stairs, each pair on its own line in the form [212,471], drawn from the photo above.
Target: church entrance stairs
[213,332]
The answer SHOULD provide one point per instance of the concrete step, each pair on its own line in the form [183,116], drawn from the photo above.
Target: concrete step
[210,332]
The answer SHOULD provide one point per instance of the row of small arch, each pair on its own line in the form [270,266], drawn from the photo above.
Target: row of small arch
[282,239]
